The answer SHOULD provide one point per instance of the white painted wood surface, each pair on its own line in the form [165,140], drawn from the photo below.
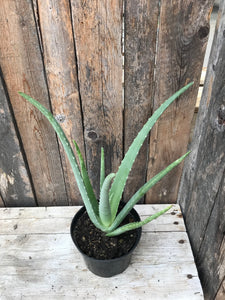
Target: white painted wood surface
[39,261]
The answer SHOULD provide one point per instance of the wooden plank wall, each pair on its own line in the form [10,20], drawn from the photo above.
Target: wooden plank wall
[61,71]
[16,188]
[98,30]
[141,23]
[182,40]
[202,190]
[23,69]
[68,55]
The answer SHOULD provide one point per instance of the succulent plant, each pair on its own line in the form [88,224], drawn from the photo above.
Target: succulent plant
[104,213]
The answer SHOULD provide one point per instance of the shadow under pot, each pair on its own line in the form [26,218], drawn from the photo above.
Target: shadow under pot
[104,256]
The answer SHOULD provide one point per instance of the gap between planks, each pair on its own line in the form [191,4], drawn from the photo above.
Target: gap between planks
[200,90]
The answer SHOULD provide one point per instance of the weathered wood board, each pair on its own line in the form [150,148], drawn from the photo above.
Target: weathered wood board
[38,259]
[97,29]
[22,68]
[61,71]
[182,40]
[15,185]
[221,293]
[1,202]
[140,34]
[202,193]
[69,56]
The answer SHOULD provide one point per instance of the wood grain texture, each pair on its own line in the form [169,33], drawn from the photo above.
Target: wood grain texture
[97,28]
[15,185]
[182,39]
[190,162]
[21,219]
[2,204]
[221,293]
[59,58]
[141,21]
[42,257]
[202,194]
[211,256]
[22,68]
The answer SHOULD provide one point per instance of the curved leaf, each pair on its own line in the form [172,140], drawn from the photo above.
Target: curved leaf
[104,206]
[142,191]
[86,180]
[126,165]
[89,207]
[102,168]
[136,225]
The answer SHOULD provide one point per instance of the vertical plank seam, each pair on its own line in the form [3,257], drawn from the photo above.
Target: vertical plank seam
[123,32]
[18,137]
[39,35]
[156,55]
[77,75]
[101,68]
[154,90]
[37,24]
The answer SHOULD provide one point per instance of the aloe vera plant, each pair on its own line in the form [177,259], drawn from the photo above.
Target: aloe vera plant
[104,213]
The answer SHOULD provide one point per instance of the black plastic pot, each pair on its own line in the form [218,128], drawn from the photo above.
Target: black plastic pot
[108,267]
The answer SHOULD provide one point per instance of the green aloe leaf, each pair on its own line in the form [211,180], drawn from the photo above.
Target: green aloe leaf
[89,206]
[86,180]
[102,168]
[104,206]
[143,190]
[135,225]
[126,165]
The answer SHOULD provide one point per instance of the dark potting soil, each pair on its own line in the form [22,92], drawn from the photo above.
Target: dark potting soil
[94,243]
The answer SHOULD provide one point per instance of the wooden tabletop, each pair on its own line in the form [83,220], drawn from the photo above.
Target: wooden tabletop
[39,261]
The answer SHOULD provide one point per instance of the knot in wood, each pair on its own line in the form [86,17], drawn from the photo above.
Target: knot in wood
[220,122]
[60,118]
[203,32]
[92,135]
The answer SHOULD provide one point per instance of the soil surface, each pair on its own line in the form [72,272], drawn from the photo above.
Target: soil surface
[94,243]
